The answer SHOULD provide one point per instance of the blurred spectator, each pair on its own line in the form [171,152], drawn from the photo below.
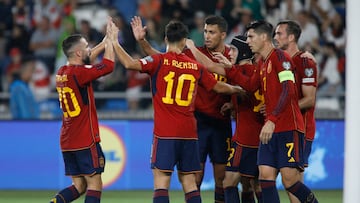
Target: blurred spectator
[6,21]
[149,9]
[255,7]
[67,7]
[271,11]
[209,7]
[125,36]
[290,8]
[239,28]
[22,101]
[92,35]
[40,79]
[153,37]
[309,31]
[135,84]
[128,8]
[21,14]
[197,32]
[136,81]
[19,38]
[47,8]
[232,12]
[330,78]
[68,27]
[335,32]
[3,54]
[13,67]
[321,9]
[43,43]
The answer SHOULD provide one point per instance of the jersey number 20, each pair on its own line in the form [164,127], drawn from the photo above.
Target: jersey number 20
[64,101]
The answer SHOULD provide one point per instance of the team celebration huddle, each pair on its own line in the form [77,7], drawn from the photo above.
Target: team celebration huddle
[261,80]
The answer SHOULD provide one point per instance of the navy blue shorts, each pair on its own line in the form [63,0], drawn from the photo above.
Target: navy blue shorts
[307,152]
[285,149]
[243,160]
[214,138]
[84,162]
[168,153]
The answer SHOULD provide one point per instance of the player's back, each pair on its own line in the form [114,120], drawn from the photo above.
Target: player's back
[175,79]
[76,97]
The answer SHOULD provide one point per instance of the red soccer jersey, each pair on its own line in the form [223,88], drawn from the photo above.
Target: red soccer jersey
[277,84]
[206,102]
[306,74]
[79,128]
[249,120]
[174,84]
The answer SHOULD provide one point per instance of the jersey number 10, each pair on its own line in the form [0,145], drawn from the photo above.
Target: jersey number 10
[169,79]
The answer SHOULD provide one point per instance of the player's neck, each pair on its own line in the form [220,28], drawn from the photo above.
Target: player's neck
[292,49]
[220,48]
[75,62]
[173,48]
[268,47]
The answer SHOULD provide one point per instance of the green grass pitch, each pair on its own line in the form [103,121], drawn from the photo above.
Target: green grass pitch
[142,196]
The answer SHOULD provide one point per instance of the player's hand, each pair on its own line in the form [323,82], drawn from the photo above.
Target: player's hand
[226,108]
[266,132]
[308,55]
[190,43]
[139,31]
[222,59]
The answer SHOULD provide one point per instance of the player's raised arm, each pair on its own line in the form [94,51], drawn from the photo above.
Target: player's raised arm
[139,32]
[204,60]
[123,56]
[110,38]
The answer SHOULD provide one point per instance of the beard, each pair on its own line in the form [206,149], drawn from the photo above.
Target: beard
[86,60]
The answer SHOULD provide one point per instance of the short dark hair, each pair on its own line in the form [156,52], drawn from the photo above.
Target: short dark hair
[293,28]
[217,20]
[261,27]
[70,42]
[175,31]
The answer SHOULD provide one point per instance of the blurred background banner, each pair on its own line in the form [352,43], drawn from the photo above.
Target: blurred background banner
[30,156]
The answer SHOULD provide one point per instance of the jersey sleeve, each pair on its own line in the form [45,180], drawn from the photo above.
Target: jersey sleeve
[150,64]
[309,74]
[88,73]
[206,79]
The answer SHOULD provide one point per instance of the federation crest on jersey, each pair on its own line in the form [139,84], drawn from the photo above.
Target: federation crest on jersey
[309,72]
[146,60]
[269,67]
[286,65]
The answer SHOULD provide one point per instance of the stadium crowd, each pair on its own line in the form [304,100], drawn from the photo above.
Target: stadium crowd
[35,29]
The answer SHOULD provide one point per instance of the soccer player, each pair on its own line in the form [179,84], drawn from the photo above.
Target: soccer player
[281,137]
[241,166]
[79,137]
[287,34]
[175,78]
[214,129]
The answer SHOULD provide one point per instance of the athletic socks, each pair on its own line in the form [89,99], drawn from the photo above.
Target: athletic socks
[231,195]
[66,195]
[92,196]
[247,197]
[219,194]
[161,196]
[269,191]
[302,192]
[193,197]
